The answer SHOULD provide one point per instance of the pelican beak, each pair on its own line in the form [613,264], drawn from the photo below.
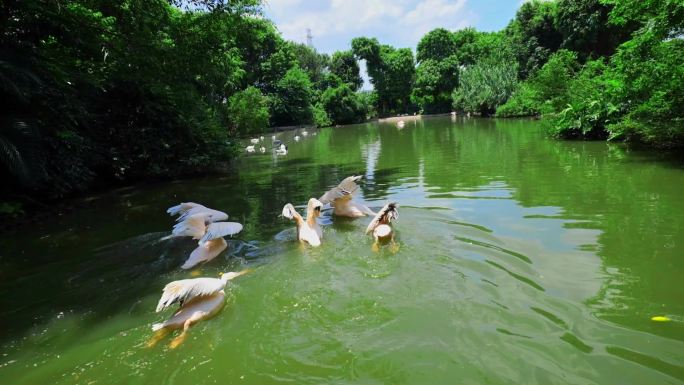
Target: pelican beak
[245,271]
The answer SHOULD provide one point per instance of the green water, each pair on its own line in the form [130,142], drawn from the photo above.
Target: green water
[521,260]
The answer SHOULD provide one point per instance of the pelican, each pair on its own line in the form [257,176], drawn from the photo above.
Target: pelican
[282,150]
[340,197]
[187,209]
[199,299]
[261,137]
[249,148]
[205,253]
[401,124]
[254,140]
[296,138]
[262,149]
[380,225]
[305,133]
[307,230]
[273,138]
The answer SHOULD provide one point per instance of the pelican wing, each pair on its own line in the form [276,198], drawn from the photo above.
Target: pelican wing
[220,230]
[192,226]
[345,190]
[182,208]
[387,214]
[289,212]
[211,214]
[186,289]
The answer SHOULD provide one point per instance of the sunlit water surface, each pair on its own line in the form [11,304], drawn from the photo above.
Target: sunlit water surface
[521,260]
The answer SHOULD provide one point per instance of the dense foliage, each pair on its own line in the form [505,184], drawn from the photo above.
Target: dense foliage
[96,91]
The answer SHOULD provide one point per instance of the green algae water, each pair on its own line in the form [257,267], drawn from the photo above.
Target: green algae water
[521,260]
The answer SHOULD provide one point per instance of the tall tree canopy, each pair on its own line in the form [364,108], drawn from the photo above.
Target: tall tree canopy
[392,73]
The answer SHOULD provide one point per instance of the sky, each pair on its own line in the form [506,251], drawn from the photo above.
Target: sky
[400,23]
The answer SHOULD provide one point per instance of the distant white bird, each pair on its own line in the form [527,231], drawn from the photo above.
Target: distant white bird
[308,230]
[261,137]
[273,138]
[304,133]
[340,197]
[296,138]
[282,150]
[262,149]
[401,124]
[249,148]
[187,209]
[254,140]
[199,299]
[380,225]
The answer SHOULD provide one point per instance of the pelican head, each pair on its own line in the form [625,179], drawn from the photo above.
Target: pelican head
[232,274]
[314,206]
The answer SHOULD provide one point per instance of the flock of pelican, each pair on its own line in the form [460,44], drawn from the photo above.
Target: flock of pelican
[202,298]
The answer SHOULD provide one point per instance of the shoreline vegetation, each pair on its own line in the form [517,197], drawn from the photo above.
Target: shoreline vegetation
[102,93]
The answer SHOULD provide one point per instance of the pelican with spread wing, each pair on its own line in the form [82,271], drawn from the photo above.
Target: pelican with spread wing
[199,222]
[199,299]
[308,230]
[380,225]
[340,197]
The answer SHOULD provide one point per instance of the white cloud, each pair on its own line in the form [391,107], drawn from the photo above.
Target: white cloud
[397,22]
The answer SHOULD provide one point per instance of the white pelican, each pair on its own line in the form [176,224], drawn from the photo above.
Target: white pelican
[254,140]
[308,230]
[340,197]
[262,149]
[296,138]
[261,137]
[187,209]
[282,150]
[273,138]
[249,148]
[199,299]
[198,227]
[305,133]
[205,252]
[380,225]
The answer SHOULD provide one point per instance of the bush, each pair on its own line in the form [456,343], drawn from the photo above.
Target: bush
[485,86]
[523,102]
[589,109]
[320,117]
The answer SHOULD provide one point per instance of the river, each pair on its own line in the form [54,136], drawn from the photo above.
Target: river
[520,259]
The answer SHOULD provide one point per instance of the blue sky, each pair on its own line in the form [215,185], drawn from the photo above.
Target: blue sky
[400,23]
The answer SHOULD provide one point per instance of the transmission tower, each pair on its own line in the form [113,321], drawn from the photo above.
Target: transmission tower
[309,38]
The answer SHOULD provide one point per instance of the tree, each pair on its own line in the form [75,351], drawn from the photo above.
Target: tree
[533,35]
[291,102]
[314,63]
[392,73]
[437,45]
[248,111]
[343,105]
[344,65]
[585,28]
[435,81]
